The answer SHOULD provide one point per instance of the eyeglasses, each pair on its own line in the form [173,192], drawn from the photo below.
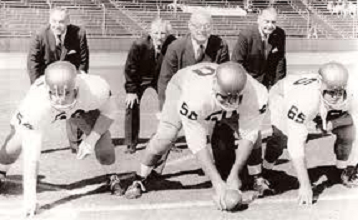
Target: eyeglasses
[202,26]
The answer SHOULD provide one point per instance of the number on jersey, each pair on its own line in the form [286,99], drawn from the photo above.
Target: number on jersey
[295,115]
[184,110]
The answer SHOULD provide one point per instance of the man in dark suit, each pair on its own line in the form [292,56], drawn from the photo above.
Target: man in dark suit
[141,72]
[198,46]
[261,50]
[59,40]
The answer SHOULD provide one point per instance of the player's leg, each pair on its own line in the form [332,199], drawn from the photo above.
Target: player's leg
[131,127]
[74,136]
[9,152]
[160,143]
[223,146]
[342,149]
[104,148]
[254,165]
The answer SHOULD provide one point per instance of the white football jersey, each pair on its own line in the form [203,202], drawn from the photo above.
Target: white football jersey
[296,100]
[199,109]
[36,113]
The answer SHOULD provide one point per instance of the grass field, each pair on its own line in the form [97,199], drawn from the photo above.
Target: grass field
[73,189]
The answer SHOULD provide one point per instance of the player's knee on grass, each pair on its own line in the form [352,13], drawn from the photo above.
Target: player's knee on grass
[11,148]
[104,150]
[275,145]
[344,142]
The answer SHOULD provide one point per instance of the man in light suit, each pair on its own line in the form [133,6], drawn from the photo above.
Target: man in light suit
[198,46]
[59,40]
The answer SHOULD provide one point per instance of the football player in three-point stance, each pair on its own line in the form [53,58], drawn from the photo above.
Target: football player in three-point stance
[60,94]
[327,99]
[197,97]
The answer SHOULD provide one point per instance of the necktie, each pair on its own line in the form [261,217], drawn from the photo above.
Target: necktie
[157,52]
[264,46]
[200,54]
[58,46]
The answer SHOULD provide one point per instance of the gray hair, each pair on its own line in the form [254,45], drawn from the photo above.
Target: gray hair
[158,22]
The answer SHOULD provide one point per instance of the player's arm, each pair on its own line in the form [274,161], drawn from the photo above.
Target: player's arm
[249,126]
[168,69]
[107,115]
[31,146]
[297,134]
[195,134]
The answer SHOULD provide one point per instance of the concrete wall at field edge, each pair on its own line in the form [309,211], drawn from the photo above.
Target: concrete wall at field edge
[123,44]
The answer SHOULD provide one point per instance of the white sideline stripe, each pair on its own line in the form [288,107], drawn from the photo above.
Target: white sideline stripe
[177,205]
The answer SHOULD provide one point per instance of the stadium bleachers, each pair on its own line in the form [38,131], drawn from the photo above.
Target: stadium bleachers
[116,18]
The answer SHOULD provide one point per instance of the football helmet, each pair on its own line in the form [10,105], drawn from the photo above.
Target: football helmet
[334,80]
[60,80]
[229,82]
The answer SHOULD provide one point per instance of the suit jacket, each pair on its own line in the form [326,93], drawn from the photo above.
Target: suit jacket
[142,64]
[181,54]
[249,51]
[43,50]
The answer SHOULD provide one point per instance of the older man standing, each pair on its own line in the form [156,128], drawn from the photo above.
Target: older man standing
[200,45]
[60,40]
[141,72]
[261,50]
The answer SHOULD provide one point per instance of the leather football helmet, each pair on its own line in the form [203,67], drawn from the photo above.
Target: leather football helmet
[229,82]
[334,80]
[60,80]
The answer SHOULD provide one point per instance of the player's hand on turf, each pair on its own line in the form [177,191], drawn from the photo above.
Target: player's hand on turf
[87,146]
[305,195]
[30,209]
[233,182]
[131,99]
[220,190]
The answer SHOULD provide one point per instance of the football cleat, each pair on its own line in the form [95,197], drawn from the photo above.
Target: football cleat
[262,187]
[349,177]
[115,186]
[135,190]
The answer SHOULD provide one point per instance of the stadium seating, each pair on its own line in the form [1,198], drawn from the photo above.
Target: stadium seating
[116,18]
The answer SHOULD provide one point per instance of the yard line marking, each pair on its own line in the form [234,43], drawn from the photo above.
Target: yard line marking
[190,204]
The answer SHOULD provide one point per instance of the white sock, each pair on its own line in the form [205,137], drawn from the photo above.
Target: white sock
[267,165]
[254,170]
[340,164]
[145,170]
[4,168]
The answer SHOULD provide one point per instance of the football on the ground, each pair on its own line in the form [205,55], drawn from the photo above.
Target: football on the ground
[232,199]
